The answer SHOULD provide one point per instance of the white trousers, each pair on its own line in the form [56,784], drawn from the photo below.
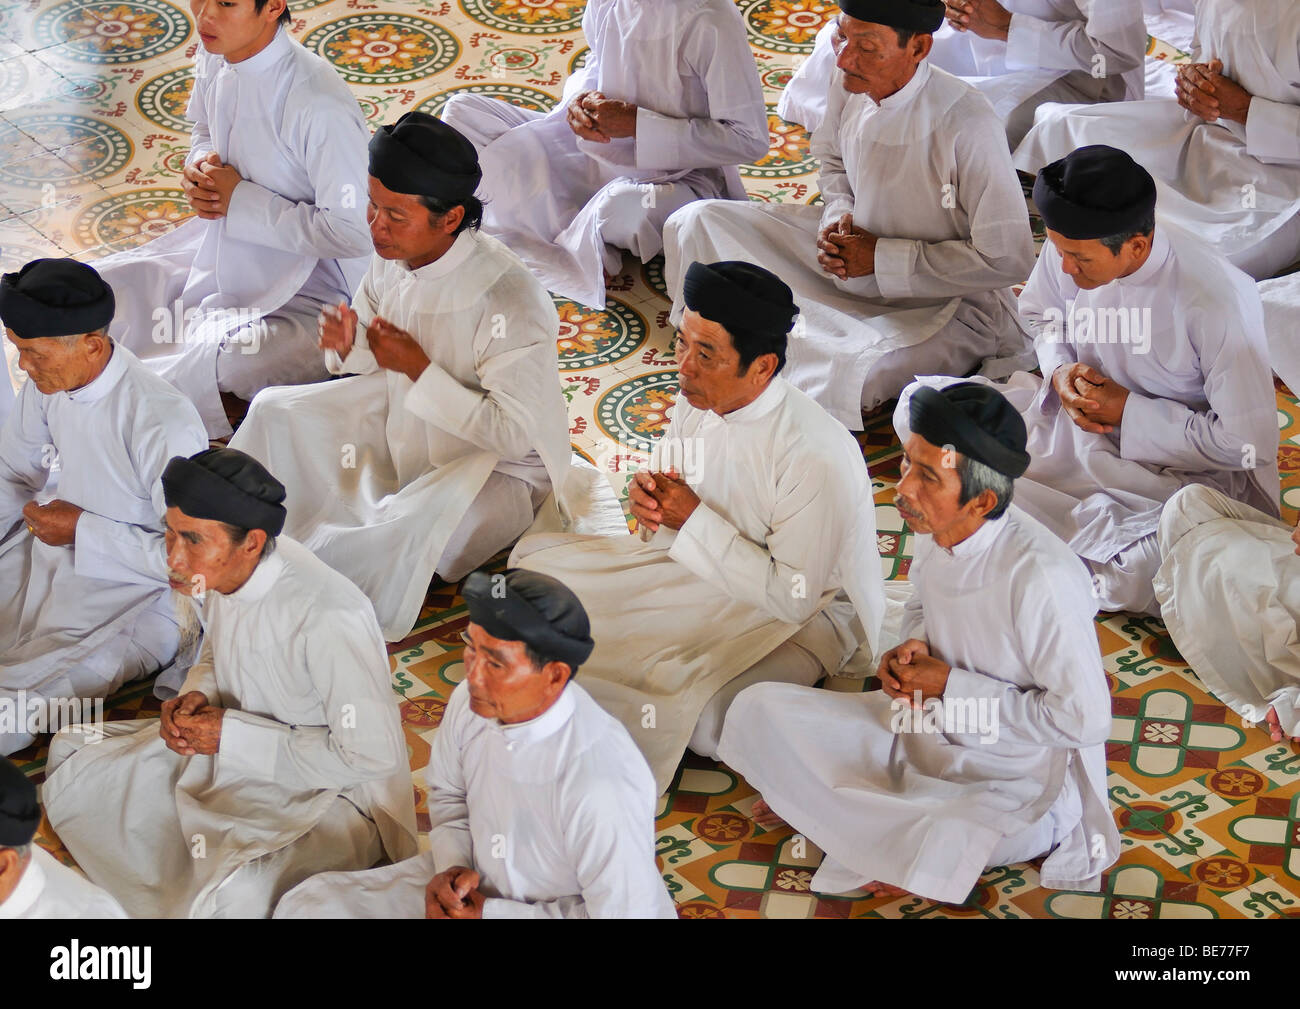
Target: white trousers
[498,516]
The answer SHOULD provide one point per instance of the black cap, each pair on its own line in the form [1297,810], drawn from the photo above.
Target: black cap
[976,420]
[924,16]
[55,297]
[423,156]
[19,814]
[225,485]
[740,296]
[534,608]
[1094,192]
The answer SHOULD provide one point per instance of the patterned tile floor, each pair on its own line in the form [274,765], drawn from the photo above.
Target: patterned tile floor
[92,134]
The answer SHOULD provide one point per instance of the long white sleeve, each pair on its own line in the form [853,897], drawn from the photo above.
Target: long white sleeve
[1109,39]
[26,452]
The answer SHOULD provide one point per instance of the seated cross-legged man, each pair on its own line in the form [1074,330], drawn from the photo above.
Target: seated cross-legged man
[226,304]
[1155,374]
[540,805]
[451,435]
[282,757]
[986,745]
[908,265]
[666,106]
[84,606]
[759,557]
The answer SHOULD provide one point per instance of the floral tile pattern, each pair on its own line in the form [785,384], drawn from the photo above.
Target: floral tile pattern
[92,136]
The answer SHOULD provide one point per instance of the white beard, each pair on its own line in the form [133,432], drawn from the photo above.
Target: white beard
[186,609]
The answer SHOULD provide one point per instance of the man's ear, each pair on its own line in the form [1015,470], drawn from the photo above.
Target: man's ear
[557,674]
[984,502]
[255,541]
[921,46]
[451,220]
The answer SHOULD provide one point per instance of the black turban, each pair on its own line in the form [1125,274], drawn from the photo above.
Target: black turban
[909,15]
[19,814]
[1094,192]
[55,297]
[225,485]
[740,296]
[423,156]
[533,608]
[976,420]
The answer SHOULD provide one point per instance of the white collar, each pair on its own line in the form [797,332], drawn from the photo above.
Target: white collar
[461,249]
[546,724]
[260,581]
[262,61]
[979,541]
[765,402]
[908,91]
[1161,250]
[29,888]
[102,384]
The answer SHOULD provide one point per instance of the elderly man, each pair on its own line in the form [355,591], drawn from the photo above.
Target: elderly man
[1218,555]
[1019,54]
[986,745]
[666,106]
[757,559]
[282,757]
[447,445]
[226,304]
[32,883]
[1155,374]
[540,805]
[1226,150]
[908,267]
[86,606]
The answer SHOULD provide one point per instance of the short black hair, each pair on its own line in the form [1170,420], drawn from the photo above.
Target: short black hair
[538,659]
[751,344]
[1145,226]
[904,36]
[473,210]
[285,17]
[238,534]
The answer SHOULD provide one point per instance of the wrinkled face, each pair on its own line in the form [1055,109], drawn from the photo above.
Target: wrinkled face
[201,555]
[503,682]
[708,366]
[872,60]
[930,488]
[401,227]
[235,29]
[54,367]
[1091,265]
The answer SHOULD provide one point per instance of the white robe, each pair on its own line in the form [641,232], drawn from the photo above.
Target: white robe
[556,815]
[1237,187]
[48,889]
[1009,609]
[563,204]
[1229,589]
[1050,55]
[294,238]
[381,471]
[940,297]
[781,547]
[311,735]
[79,620]
[1281,298]
[1200,406]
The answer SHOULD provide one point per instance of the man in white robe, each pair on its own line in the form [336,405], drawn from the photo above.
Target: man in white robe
[454,434]
[1155,374]
[908,267]
[282,757]
[1019,54]
[86,606]
[757,558]
[1225,151]
[987,744]
[33,884]
[226,304]
[666,106]
[540,805]
[1229,589]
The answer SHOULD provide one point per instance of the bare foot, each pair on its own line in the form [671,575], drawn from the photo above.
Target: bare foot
[878,889]
[762,815]
[1274,724]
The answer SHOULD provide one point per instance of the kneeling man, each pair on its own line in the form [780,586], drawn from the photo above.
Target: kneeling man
[762,562]
[986,745]
[540,805]
[282,757]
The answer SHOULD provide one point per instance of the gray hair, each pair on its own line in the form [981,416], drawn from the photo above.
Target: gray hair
[976,478]
[1145,226]
[22,850]
[238,534]
[71,341]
